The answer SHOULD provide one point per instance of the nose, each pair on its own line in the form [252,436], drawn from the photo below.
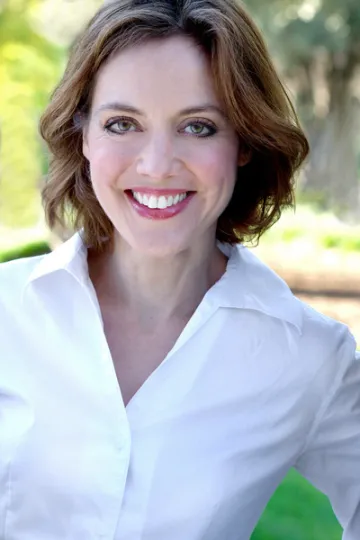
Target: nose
[156,159]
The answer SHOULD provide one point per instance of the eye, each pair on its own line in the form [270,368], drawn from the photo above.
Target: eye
[120,126]
[200,129]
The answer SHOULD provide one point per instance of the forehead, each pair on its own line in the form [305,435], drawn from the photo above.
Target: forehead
[171,71]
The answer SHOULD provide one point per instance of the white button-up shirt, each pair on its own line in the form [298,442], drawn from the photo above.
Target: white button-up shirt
[257,383]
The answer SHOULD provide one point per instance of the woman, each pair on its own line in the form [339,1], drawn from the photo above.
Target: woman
[157,380]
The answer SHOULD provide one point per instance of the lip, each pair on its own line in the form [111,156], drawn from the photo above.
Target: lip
[158,213]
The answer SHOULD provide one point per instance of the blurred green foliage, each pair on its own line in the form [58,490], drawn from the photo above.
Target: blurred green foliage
[321,231]
[29,68]
[337,240]
[29,250]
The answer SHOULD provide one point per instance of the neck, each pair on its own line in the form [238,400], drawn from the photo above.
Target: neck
[152,290]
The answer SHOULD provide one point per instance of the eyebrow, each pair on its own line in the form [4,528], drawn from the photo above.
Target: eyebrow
[116,106]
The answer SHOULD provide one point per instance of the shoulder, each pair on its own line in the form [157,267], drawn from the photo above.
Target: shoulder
[326,342]
[317,325]
[317,341]
[19,270]
[14,276]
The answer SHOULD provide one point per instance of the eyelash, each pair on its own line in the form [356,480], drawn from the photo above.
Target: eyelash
[197,121]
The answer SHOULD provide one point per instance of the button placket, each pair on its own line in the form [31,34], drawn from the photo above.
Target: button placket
[117,415]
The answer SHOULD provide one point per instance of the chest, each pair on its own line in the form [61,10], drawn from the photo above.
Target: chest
[207,438]
[137,353]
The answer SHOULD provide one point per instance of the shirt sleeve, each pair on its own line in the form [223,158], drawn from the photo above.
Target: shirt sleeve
[331,458]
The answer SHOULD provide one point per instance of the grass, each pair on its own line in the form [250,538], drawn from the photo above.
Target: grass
[297,511]
[321,231]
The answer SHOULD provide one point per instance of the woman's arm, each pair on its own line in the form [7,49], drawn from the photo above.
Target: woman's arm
[331,459]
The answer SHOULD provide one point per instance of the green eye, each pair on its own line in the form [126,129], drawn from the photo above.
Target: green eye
[124,126]
[200,129]
[197,128]
[120,126]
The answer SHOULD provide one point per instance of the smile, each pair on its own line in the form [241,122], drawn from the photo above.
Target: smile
[159,204]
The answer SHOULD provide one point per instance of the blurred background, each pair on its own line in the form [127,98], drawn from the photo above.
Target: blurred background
[316,47]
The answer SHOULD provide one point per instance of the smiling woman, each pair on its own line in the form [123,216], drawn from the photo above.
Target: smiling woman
[240,91]
[157,380]
[167,131]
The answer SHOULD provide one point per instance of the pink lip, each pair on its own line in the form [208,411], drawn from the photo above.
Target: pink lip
[158,213]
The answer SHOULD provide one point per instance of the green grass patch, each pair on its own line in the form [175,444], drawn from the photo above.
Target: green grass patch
[351,243]
[331,240]
[338,240]
[290,234]
[297,511]
[323,231]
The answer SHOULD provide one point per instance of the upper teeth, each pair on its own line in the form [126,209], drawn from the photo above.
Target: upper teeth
[158,202]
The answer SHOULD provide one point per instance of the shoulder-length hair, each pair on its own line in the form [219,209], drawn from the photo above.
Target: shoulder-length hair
[246,82]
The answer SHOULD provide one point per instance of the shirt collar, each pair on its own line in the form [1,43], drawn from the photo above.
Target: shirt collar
[70,256]
[250,284]
[247,283]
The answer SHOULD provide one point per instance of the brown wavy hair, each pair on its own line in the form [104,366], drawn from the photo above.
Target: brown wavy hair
[246,82]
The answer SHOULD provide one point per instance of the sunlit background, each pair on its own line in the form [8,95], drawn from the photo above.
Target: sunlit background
[316,47]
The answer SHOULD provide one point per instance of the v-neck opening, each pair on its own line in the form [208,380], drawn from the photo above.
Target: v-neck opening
[202,313]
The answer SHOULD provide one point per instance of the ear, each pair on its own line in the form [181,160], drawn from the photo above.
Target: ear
[245,156]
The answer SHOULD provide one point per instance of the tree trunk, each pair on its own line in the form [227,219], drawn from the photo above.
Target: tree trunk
[332,170]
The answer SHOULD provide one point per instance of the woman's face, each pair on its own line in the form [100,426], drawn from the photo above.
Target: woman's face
[163,157]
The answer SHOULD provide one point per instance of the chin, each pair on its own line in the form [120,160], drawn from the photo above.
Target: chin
[158,246]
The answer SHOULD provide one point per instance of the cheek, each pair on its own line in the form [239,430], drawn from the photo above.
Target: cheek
[217,166]
[108,160]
